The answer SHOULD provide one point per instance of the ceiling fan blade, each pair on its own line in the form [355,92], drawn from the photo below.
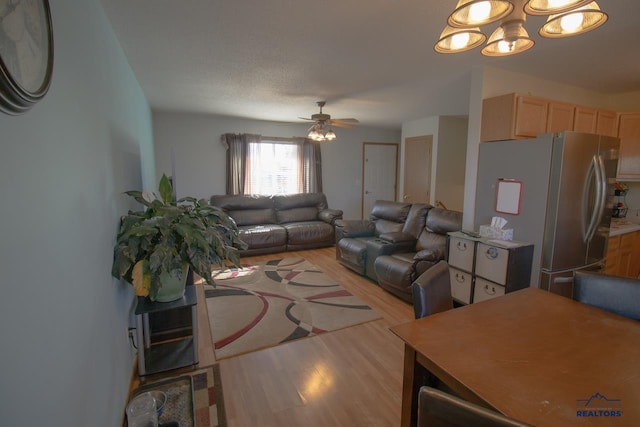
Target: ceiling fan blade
[340,124]
[347,120]
[305,118]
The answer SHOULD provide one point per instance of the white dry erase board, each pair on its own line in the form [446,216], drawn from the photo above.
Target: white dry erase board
[508,196]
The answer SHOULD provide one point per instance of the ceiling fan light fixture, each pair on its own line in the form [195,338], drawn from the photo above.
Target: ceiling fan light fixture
[475,13]
[330,136]
[456,40]
[574,22]
[548,7]
[508,39]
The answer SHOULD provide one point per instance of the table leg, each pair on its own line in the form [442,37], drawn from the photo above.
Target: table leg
[408,416]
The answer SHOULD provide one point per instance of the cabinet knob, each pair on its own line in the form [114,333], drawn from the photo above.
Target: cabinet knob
[459,278]
[462,246]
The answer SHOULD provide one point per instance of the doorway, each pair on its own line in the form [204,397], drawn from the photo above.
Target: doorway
[379,174]
[417,169]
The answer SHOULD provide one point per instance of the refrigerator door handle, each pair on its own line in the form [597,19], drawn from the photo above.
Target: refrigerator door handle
[592,216]
[602,199]
[587,219]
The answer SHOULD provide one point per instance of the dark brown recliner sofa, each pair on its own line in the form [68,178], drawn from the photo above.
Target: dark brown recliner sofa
[391,227]
[279,223]
[396,272]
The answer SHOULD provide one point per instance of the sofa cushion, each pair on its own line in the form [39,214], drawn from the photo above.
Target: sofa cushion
[300,200]
[263,236]
[253,216]
[297,215]
[299,233]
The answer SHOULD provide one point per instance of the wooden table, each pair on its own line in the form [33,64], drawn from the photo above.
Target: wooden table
[531,355]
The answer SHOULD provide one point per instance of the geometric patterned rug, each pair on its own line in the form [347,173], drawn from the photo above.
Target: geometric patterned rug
[207,396]
[194,399]
[270,303]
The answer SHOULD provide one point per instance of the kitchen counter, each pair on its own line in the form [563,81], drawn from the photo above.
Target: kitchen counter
[623,225]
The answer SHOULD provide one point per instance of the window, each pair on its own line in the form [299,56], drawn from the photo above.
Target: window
[269,165]
[273,168]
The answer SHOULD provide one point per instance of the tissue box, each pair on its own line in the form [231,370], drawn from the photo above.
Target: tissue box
[496,233]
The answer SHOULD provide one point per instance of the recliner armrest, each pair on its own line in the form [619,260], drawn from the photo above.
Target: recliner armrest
[330,216]
[397,237]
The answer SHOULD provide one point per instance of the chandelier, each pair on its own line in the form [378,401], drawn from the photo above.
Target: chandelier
[565,18]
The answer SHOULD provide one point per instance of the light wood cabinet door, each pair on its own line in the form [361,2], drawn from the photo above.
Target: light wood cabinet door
[634,268]
[531,116]
[606,122]
[560,116]
[585,119]
[629,158]
[626,254]
[513,116]
[612,264]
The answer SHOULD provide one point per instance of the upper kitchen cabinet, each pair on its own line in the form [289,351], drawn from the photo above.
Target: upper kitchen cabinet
[516,116]
[629,134]
[560,116]
[594,120]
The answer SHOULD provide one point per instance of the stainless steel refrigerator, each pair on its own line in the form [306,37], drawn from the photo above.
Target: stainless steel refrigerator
[566,200]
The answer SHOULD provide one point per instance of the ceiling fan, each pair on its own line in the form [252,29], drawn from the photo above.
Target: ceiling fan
[321,128]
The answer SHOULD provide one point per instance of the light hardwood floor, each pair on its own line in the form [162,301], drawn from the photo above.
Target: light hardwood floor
[349,377]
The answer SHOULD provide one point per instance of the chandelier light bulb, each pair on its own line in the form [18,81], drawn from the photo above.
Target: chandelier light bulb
[480,11]
[460,40]
[570,23]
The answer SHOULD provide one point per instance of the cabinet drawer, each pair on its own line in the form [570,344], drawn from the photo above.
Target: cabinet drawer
[491,263]
[461,252]
[461,285]
[485,290]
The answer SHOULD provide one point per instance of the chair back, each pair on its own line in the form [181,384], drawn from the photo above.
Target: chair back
[432,291]
[439,409]
[616,294]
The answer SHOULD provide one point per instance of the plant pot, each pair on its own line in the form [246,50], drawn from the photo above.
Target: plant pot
[171,288]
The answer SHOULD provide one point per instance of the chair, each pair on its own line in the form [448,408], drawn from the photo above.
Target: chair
[432,291]
[440,409]
[616,294]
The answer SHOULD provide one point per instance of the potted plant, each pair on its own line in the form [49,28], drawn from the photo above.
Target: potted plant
[156,247]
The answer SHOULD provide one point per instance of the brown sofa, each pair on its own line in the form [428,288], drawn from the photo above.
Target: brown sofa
[279,223]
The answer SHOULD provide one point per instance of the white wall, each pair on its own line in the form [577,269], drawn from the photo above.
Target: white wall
[450,169]
[200,157]
[65,358]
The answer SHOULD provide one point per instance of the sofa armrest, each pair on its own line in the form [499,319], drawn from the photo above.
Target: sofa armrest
[330,216]
[355,228]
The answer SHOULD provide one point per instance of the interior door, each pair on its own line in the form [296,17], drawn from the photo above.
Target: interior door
[379,174]
[417,169]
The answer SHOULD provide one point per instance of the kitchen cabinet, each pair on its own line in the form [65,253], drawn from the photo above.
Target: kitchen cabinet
[594,120]
[623,255]
[629,134]
[513,116]
[560,116]
[482,268]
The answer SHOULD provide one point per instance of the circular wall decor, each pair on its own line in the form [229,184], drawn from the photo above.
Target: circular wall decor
[26,53]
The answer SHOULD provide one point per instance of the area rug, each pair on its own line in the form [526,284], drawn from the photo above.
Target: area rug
[193,400]
[274,302]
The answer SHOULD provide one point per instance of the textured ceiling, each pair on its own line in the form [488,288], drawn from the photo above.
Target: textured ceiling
[372,60]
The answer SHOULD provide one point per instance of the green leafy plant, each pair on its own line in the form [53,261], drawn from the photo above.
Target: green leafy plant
[168,234]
